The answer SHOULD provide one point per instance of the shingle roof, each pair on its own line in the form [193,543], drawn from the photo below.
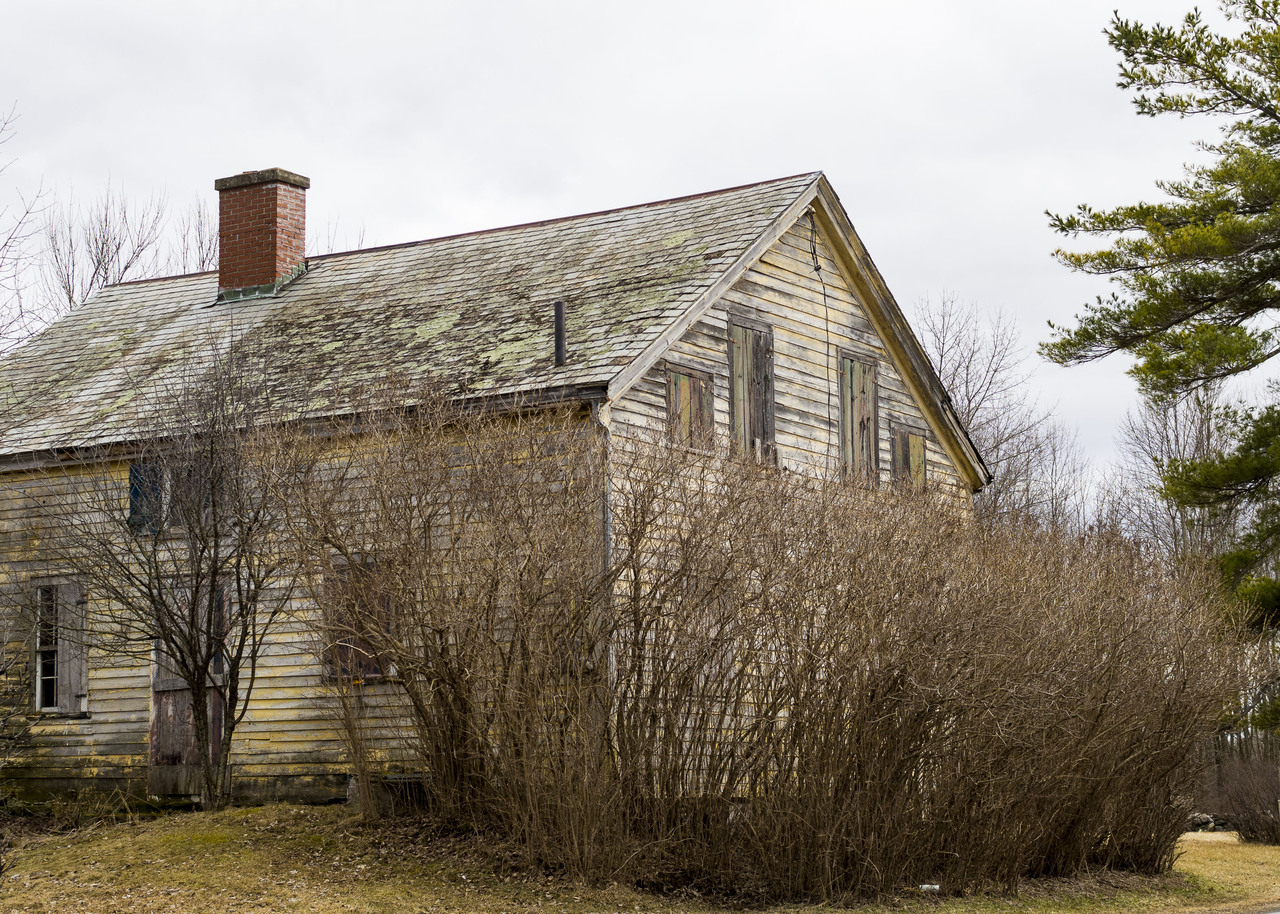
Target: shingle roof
[473,312]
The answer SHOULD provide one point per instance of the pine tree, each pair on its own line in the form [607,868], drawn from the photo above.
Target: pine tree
[1197,274]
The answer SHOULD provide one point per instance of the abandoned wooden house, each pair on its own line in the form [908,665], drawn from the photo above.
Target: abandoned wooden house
[752,315]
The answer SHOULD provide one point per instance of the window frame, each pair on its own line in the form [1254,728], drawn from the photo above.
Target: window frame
[148,497]
[63,667]
[336,654]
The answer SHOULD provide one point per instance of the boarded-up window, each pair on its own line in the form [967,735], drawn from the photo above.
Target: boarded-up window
[751,400]
[907,453]
[355,617]
[859,447]
[146,497]
[61,661]
[690,408]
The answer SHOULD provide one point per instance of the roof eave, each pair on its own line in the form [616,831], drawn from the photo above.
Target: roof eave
[555,395]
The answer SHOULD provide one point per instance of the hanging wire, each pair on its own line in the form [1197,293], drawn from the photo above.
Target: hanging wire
[826,316]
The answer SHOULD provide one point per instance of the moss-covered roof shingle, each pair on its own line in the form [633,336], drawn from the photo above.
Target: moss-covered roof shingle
[471,312]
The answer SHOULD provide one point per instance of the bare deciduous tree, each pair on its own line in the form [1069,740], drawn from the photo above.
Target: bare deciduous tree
[17,226]
[333,238]
[1152,439]
[110,240]
[114,238]
[194,242]
[183,551]
[1036,464]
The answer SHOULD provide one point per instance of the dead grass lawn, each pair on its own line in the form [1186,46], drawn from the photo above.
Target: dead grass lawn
[322,860]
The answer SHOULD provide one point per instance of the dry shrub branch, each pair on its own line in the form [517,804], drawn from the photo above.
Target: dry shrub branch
[635,661]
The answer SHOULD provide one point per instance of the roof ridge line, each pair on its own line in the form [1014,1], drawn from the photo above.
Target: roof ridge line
[501,228]
[559,219]
[138,282]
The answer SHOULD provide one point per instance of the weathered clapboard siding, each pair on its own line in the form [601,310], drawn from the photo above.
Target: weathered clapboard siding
[815,317]
[104,748]
[285,746]
[473,313]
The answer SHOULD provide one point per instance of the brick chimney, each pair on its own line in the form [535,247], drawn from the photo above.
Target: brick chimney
[262,231]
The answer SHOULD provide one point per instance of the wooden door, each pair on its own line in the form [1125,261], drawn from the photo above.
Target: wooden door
[174,765]
[173,768]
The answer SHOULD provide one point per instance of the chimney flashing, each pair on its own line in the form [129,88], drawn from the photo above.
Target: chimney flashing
[266,290]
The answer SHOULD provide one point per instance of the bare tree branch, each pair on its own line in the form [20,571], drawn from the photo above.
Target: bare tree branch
[1038,470]
[194,245]
[87,247]
[17,228]
[1152,439]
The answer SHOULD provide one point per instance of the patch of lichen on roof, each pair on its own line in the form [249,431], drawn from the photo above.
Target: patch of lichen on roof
[473,313]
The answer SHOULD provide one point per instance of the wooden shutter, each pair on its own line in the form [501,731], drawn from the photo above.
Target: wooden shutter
[899,449]
[751,409]
[859,446]
[739,355]
[916,459]
[847,424]
[678,406]
[865,413]
[690,408]
[907,455]
[73,654]
[762,392]
[702,420]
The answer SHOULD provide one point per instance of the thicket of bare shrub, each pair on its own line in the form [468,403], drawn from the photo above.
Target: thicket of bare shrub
[1241,787]
[764,681]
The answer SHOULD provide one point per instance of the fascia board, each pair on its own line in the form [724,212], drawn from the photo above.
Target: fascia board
[891,326]
[640,365]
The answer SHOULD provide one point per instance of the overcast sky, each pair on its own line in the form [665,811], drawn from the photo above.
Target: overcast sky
[947,128]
